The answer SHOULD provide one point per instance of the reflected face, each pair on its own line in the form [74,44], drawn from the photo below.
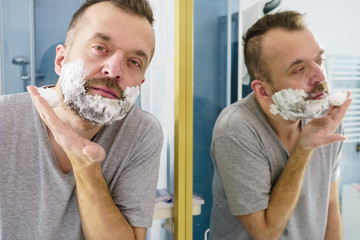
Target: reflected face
[294,60]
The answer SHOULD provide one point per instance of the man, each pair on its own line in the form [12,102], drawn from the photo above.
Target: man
[88,167]
[277,178]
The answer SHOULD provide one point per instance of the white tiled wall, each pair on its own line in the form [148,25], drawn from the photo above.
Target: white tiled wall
[157,97]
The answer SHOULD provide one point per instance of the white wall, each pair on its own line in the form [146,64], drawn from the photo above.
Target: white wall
[157,97]
[334,22]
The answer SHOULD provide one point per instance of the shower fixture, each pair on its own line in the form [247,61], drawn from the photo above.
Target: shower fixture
[23,61]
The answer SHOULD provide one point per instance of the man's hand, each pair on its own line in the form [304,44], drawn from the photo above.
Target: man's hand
[319,132]
[81,151]
[100,217]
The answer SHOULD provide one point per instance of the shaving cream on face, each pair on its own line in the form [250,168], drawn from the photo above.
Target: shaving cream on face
[293,104]
[49,95]
[95,109]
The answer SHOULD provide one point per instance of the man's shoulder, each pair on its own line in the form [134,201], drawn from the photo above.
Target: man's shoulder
[240,113]
[19,103]
[136,122]
[143,117]
[12,99]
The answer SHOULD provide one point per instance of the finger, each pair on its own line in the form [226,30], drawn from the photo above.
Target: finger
[318,142]
[348,94]
[72,143]
[334,138]
[32,90]
[339,106]
[38,102]
[338,112]
[59,128]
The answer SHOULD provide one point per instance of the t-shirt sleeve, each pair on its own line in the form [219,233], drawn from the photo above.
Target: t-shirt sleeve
[135,190]
[244,171]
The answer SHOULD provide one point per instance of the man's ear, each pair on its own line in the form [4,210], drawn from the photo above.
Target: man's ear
[262,90]
[60,58]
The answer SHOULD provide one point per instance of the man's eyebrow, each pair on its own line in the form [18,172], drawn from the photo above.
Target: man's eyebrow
[102,36]
[142,54]
[321,52]
[294,63]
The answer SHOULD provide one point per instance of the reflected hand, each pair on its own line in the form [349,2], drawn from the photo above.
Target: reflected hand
[80,151]
[319,132]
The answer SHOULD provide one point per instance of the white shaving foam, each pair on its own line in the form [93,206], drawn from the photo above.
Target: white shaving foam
[338,98]
[95,109]
[49,95]
[291,104]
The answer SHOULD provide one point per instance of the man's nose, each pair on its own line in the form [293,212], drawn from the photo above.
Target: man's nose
[317,74]
[113,67]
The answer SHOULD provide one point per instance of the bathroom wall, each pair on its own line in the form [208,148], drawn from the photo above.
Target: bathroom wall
[157,97]
[333,22]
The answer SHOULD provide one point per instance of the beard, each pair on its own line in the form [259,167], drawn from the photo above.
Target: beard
[294,104]
[96,109]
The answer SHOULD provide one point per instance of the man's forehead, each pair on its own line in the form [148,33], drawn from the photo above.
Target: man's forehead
[119,29]
[282,43]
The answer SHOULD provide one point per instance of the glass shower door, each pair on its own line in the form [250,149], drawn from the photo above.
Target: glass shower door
[15,45]
[30,30]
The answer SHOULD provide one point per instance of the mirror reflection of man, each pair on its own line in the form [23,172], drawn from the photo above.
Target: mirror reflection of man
[277,178]
[88,167]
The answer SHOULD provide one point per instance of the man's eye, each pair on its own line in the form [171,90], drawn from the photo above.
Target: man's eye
[133,62]
[321,61]
[99,48]
[297,70]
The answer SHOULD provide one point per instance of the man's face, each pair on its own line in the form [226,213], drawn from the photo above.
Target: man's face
[96,109]
[116,49]
[294,60]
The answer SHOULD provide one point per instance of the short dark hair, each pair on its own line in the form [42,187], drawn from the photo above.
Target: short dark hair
[286,20]
[139,8]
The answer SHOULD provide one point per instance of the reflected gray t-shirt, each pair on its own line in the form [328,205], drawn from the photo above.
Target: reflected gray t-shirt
[38,201]
[248,159]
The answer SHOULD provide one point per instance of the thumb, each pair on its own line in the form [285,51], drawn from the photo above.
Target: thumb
[94,152]
[333,139]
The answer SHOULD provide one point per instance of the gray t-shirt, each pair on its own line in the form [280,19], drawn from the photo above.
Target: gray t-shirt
[248,158]
[38,201]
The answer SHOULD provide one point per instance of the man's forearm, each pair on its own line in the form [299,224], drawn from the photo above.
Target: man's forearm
[100,218]
[270,223]
[285,194]
[334,224]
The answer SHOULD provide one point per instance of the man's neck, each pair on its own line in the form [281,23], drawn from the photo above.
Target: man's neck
[80,126]
[286,130]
